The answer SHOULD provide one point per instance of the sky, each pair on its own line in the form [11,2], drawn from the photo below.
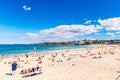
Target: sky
[34,21]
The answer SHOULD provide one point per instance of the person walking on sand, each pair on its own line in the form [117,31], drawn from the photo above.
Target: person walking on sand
[14,67]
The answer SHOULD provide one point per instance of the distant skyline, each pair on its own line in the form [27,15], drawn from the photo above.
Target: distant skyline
[33,21]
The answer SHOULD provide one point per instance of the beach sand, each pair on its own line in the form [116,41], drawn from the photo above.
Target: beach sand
[101,63]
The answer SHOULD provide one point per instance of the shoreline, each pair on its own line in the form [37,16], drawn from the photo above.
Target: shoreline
[61,50]
[65,50]
[56,51]
[48,52]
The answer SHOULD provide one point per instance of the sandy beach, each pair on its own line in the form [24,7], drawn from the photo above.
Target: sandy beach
[100,63]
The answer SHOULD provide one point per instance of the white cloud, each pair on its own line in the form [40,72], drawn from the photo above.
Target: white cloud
[26,8]
[64,32]
[99,27]
[88,22]
[118,32]
[111,34]
[110,24]
[32,35]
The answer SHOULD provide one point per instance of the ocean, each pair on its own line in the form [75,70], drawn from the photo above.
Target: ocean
[19,49]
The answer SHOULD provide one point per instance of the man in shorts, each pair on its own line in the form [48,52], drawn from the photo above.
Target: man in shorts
[14,67]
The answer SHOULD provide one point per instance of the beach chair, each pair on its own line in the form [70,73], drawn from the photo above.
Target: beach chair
[39,71]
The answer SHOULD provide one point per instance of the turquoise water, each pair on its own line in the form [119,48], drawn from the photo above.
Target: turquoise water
[18,49]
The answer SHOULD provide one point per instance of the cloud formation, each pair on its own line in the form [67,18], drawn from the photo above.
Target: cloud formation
[111,34]
[118,32]
[88,22]
[32,35]
[78,31]
[111,24]
[26,8]
[64,32]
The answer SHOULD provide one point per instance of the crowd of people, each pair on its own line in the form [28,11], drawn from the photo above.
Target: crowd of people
[54,57]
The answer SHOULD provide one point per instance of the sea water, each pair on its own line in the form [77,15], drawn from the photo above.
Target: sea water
[26,48]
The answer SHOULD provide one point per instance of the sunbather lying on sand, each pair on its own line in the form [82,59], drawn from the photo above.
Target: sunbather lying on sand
[30,70]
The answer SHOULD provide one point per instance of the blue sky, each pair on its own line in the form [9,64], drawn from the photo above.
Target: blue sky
[30,21]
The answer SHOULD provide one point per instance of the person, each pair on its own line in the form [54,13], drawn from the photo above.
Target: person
[33,69]
[53,58]
[39,59]
[26,55]
[14,67]
[24,71]
[27,60]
